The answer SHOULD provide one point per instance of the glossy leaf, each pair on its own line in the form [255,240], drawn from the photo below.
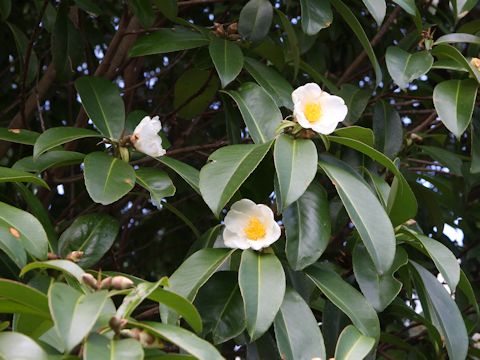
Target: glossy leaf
[56,136]
[186,172]
[14,175]
[458,38]
[378,9]
[157,182]
[405,67]
[307,227]
[255,20]
[93,234]
[292,42]
[21,42]
[448,52]
[65,266]
[366,212]
[316,15]
[227,58]
[49,160]
[259,111]
[388,129]
[107,178]
[101,347]
[347,299]
[169,8]
[228,168]
[475,146]
[262,283]
[31,300]
[12,248]
[20,136]
[142,9]
[296,166]
[16,346]
[352,345]
[356,100]
[74,314]
[361,134]
[103,104]
[407,5]
[296,330]
[136,296]
[454,101]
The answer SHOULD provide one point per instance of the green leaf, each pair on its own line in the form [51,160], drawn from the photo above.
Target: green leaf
[221,306]
[16,346]
[103,104]
[356,100]
[226,171]
[65,266]
[186,172]
[31,300]
[445,157]
[107,178]
[454,101]
[307,227]
[195,89]
[5,9]
[262,284]
[136,297]
[168,40]
[157,182]
[366,212]
[448,319]
[73,313]
[445,51]
[21,42]
[458,38]
[19,136]
[388,129]
[26,229]
[291,41]
[89,6]
[184,339]
[316,15]
[10,246]
[49,160]
[380,290]
[352,345]
[296,330]
[255,20]
[271,81]
[14,175]
[361,134]
[93,234]
[357,28]
[227,58]
[378,9]
[169,8]
[407,5]
[142,9]
[259,111]
[347,299]
[56,136]
[101,347]
[475,146]
[405,67]
[296,166]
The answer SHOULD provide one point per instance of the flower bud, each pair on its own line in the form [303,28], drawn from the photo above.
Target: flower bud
[476,63]
[116,324]
[124,154]
[90,280]
[75,256]
[106,283]
[121,283]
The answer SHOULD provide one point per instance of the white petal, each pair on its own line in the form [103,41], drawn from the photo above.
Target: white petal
[324,128]
[333,108]
[234,241]
[148,126]
[150,145]
[265,213]
[306,93]
[302,120]
[236,221]
[244,205]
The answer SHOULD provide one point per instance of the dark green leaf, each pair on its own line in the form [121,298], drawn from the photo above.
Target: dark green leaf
[89,6]
[65,266]
[388,129]
[227,58]
[378,9]
[49,160]
[130,302]
[364,135]
[14,175]
[10,246]
[356,100]
[352,345]
[157,182]
[5,9]
[28,298]
[445,51]
[142,9]
[475,143]
[255,20]
[21,41]
[100,347]
[186,172]
[169,8]
[292,42]
[405,67]
[316,15]
[20,136]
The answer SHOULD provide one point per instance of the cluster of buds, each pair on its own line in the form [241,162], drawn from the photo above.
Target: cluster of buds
[229,31]
[145,338]
[115,282]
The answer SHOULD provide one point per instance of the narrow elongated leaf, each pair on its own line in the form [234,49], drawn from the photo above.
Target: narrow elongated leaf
[56,136]
[380,290]
[262,283]
[184,339]
[388,129]
[101,347]
[136,297]
[221,305]
[378,9]
[447,317]
[228,168]
[307,227]
[458,38]
[19,136]
[93,234]
[26,229]
[103,104]
[296,166]
[407,5]
[366,212]
[361,134]
[352,345]
[357,28]
[347,299]
[168,40]
[454,101]
[271,81]
[65,266]
[227,58]
[107,178]
[448,52]
[475,143]
[49,160]
[259,111]
[25,296]
[316,15]
[405,67]
[296,330]
[255,20]
[16,346]
[74,314]
[292,42]
[21,42]
[186,172]
[14,175]
[157,182]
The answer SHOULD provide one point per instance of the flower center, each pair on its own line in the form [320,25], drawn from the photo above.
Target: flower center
[255,229]
[312,112]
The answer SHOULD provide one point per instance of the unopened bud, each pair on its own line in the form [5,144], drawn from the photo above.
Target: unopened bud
[52,256]
[106,283]
[116,324]
[90,280]
[416,138]
[146,339]
[124,154]
[232,28]
[122,283]
[410,222]
[75,256]
[475,62]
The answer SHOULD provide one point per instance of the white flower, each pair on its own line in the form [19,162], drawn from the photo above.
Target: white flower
[248,225]
[318,110]
[145,138]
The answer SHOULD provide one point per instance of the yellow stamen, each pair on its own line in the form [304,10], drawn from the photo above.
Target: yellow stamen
[255,229]
[312,112]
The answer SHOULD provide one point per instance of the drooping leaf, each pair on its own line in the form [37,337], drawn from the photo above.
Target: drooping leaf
[255,20]
[405,67]
[353,345]
[49,160]
[316,15]
[65,266]
[262,283]
[227,58]
[100,347]
[20,136]
[157,182]
[107,178]
[14,175]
